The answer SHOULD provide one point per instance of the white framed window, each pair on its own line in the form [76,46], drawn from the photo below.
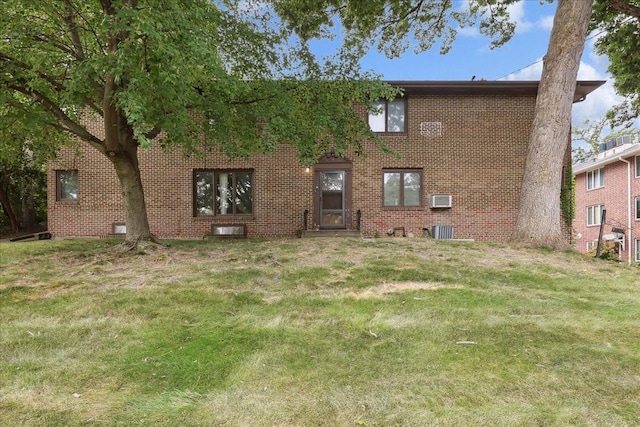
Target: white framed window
[388,116]
[595,179]
[591,245]
[594,214]
[637,250]
[637,166]
[637,207]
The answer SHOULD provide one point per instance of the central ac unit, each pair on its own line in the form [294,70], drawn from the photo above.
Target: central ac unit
[442,232]
[440,201]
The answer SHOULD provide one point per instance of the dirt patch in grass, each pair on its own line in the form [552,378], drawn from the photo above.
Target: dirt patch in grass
[392,288]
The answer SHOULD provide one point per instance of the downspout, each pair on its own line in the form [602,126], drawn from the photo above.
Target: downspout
[629,239]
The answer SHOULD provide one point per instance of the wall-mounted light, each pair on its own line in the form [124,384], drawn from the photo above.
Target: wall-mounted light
[307,169]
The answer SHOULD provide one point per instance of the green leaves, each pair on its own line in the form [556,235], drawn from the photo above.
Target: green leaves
[392,26]
[617,27]
[167,67]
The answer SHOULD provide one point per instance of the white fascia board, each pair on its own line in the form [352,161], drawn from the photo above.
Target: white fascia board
[608,157]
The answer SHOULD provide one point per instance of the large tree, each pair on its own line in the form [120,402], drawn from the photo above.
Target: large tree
[618,26]
[539,221]
[186,72]
[390,25]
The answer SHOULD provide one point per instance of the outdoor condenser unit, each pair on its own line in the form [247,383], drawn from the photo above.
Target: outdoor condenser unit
[442,232]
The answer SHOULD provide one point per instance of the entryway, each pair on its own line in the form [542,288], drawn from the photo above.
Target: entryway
[332,193]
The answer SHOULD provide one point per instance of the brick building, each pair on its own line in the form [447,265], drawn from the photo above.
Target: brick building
[462,149]
[611,183]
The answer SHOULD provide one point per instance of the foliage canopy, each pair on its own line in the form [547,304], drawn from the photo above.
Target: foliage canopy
[617,23]
[229,62]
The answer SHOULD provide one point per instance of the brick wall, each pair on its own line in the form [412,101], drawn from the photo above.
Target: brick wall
[613,195]
[478,158]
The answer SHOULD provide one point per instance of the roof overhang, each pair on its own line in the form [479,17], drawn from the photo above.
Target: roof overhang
[610,156]
[487,87]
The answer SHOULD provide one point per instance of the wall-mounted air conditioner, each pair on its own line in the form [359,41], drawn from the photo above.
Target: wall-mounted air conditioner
[440,201]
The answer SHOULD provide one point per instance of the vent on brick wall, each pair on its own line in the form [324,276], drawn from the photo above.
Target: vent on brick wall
[431,129]
[440,201]
[118,228]
[228,230]
[443,232]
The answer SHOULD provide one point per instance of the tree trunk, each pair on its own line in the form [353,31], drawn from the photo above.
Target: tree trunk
[29,216]
[128,171]
[121,147]
[539,222]
[6,206]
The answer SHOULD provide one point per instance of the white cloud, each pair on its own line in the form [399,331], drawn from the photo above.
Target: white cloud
[596,105]
[468,31]
[517,15]
[546,23]
[531,72]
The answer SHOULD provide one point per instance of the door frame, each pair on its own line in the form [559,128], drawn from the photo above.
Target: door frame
[332,163]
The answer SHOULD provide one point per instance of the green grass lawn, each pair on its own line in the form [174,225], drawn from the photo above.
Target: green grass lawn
[316,332]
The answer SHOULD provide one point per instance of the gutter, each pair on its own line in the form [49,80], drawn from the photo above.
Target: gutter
[630,242]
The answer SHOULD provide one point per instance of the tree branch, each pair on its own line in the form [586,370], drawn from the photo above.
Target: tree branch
[57,86]
[68,124]
[11,61]
[153,133]
[73,31]
[625,7]
[413,10]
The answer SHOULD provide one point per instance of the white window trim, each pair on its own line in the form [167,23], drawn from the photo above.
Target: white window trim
[593,207]
[599,173]
[637,164]
[637,246]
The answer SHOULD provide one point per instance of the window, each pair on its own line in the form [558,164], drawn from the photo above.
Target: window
[402,188]
[388,116]
[637,207]
[637,166]
[222,192]
[594,214]
[591,245]
[637,250]
[67,185]
[595,179]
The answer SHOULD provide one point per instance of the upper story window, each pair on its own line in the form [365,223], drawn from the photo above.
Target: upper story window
[402,188]
[594,214]
[388,116]
[222,192]
[67,185]
[637,207]
[595,179]
[637,166]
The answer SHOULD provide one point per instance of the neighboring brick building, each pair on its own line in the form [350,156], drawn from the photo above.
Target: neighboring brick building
[609,182]
[463,142]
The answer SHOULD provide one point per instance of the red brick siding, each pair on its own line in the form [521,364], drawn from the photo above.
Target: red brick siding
[478,159]
[614,197]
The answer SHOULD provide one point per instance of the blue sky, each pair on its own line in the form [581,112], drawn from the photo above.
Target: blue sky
[519,59]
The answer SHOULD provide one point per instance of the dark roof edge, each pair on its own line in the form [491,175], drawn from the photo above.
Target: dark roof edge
[487,87]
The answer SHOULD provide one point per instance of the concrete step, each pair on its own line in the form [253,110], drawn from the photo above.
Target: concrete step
[331,233]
